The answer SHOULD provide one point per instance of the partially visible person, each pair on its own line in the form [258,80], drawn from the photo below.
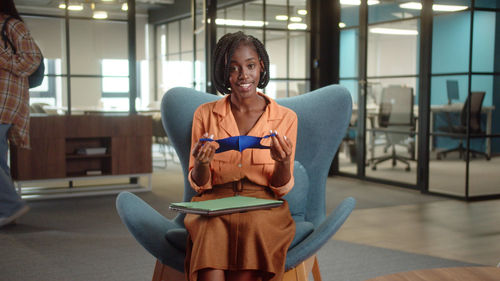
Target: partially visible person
[15,67]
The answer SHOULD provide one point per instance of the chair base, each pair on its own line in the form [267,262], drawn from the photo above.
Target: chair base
[394,157]
[461,150]
[299,273]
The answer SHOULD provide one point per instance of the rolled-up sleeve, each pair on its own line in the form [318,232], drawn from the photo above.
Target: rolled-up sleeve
[27,56]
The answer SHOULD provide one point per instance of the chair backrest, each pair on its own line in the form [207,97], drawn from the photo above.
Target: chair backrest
[476,100]
[323,116]
[399,101]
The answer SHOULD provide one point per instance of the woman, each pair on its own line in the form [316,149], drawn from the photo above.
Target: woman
[250,245]
[15,67]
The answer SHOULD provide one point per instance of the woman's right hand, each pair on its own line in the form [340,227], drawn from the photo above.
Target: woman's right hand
[204,151]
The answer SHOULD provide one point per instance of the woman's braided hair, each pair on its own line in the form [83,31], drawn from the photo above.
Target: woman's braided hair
[222,59]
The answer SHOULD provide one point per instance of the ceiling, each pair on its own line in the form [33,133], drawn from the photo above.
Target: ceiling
[110,6]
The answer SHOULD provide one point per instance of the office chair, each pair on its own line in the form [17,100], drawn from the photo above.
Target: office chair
[460,131]
[396,120]
[161,138]
[323,116]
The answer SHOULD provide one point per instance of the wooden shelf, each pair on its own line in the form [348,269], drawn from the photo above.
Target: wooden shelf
[55,140]
[81,156]
[83,175]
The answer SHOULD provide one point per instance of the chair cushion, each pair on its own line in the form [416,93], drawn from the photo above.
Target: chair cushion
[302,230]
[297,197]
[178,238]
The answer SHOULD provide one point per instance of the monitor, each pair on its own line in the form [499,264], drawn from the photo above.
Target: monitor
[452,89]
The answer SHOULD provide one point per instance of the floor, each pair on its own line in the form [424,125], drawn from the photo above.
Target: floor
[392,217]
[450,229]
[406,220]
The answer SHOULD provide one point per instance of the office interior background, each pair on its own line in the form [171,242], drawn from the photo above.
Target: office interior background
[419,60]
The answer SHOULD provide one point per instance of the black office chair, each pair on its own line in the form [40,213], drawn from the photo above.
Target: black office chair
[460,131]
[396,120]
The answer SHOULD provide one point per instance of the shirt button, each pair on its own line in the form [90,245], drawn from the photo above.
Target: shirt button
[239,165]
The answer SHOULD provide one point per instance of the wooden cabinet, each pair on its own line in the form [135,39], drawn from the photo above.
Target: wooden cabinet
[57,140]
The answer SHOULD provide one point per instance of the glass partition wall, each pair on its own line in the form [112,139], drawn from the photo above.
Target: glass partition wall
[380,64]
[283,27]
[465,100]
[86,55]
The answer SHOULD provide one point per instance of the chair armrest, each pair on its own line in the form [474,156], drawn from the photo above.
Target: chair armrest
[311,244]
[149,227]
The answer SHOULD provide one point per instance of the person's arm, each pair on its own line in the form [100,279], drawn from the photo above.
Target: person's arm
[283,153]
[27,57]
[200,174]
[203,153]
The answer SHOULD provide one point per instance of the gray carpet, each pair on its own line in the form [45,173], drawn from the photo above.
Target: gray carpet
[84,239]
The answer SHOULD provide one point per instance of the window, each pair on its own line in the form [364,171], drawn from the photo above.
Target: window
[115,78]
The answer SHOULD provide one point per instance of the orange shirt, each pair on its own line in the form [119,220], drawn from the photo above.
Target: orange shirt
[255,164]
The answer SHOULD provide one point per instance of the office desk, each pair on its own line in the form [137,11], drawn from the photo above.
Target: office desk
[457,108]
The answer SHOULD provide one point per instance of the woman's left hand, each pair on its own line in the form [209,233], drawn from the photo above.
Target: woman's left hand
[281,148]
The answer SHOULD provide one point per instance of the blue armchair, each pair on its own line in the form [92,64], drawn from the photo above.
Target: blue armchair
[323,116]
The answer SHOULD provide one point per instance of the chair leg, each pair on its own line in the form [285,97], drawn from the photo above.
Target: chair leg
[315,270]
[301,271]
[166,273]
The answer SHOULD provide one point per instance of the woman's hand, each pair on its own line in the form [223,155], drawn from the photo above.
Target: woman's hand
[204,151]
[281,148]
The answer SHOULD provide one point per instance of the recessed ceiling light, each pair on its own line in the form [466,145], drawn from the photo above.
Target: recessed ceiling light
[71,7]
[435,7]
[358,2]
[75,7]
[281,17]
[448,8]
[230,22]
[125,7]
[295,19]
[100,15]
[297,26]
[302,12]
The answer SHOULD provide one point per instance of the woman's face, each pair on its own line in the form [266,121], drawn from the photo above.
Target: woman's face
[244,71]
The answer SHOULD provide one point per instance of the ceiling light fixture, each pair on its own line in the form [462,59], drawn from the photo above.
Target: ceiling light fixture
[297,26]
[71,7]
[448,8]
[302,12]
[295,19]
[230,22]
[358,2]
[281,17]
[435,7]
[100,15]
[393,31]
[342,25]
[125,7]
